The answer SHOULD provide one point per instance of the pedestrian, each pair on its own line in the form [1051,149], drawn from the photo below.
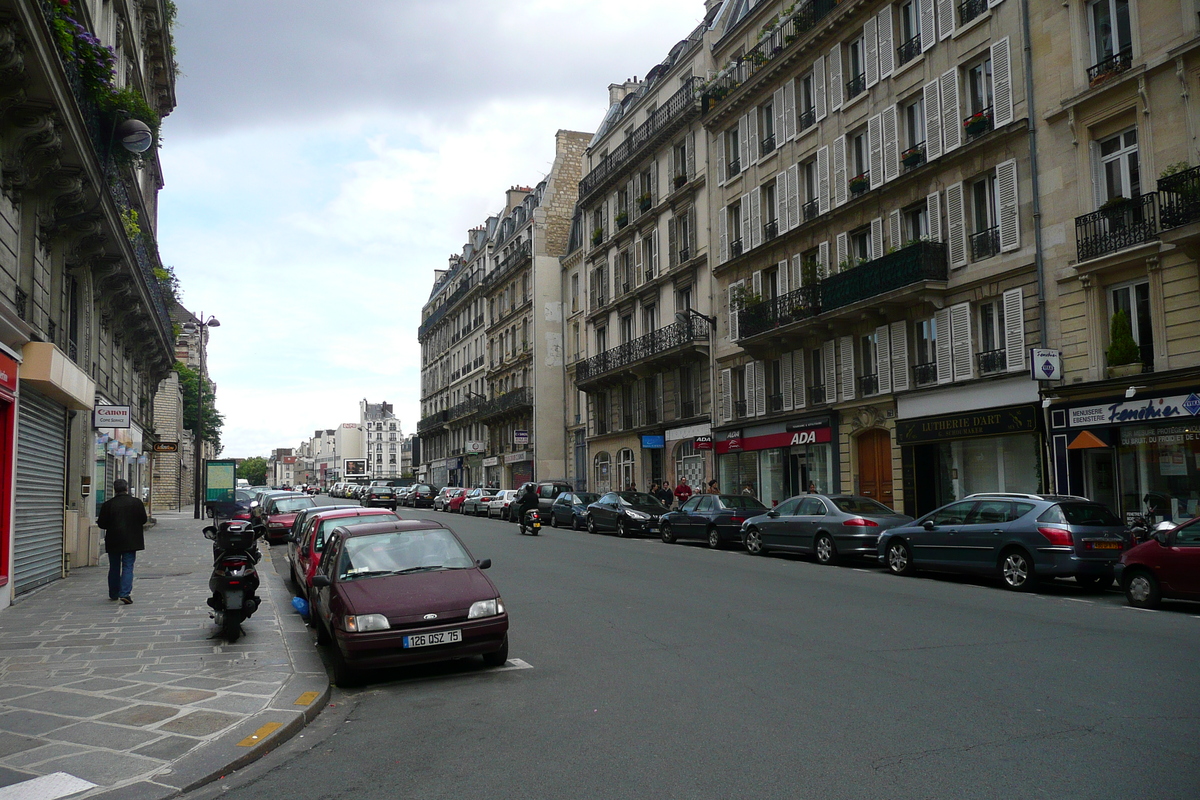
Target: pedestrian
[812,487]
[683,492]
[712,487]
[123,518]
[748,490]
[664,494]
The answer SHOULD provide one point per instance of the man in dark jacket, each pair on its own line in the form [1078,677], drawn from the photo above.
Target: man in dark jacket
[122,517]
[525,501]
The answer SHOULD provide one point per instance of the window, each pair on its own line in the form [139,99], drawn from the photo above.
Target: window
[733,164]
[575,291]
[650,318]
[626,329]
[914,131]
[1134,300]
[868,350]
[979,100]
[808,102]
[625,467]
[816,392]
[985,241]
[910,32]
[860,247]
[576,340]
[916,224]
[1120,171]
[925,369]
[683,298]
[601,339]
[766,126]
[1112,41]
[648,246]
[680,159]
[602,472]
[774,385]
[991,338]
[738,377]
[856,71]
[734,216]
[770,225]
[808,172]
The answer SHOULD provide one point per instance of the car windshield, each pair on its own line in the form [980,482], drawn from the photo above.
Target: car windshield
[290,505]
[327,526]
[244,497]
[862,505]
[1088,514]
[638,499]
[586,498]
[402,552]
[741,501]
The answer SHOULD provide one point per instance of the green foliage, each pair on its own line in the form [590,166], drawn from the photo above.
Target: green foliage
[811,272]
[129,218]
[1122,349]
[742,297]
[1174,169]
[254,470]
[214,421]
[170,285]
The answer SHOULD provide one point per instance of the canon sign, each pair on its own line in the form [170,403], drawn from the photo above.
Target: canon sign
[111,417]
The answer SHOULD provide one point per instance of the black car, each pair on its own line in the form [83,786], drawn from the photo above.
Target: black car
[421,496]
[379,497]
[626,513]
[714,518]
[570,508]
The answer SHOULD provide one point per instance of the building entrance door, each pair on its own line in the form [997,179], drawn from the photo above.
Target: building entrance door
[875,465]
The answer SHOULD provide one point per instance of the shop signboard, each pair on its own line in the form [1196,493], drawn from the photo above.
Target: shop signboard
[968,425]
[702,443]
[492,461]
[1184,406]
[521,437]
[1045,365]
[516,458]
[732,444]
[8,375]
[111,417]
[653,442]
[476,447]
[165,447]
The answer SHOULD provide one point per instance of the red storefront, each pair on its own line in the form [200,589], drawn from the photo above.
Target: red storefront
[778,461]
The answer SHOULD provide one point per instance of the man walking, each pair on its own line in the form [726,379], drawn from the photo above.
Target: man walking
[122,517]
[682,491]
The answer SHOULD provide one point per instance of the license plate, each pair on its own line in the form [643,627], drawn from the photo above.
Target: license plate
[1106,545]
[427,639]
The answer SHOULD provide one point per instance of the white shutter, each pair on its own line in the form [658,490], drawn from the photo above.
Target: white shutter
[760,388]
[724,213]
[754,142]
[780,118]
[1014,330]
[691,155]
[789,112]
[744,141]
[895,234]
[928,26]
[756,285]
[819,105]
[1002,98]
[846,345]
[899,356]
[745,231]
[933,214]
[842,254]
[781,203]
[1006,192]
[835,77]
[756,228]
[828,358]
[654,251]
[960,341]
[932,103]
[726,394]
[797,277]
[891,145]
[840,186]
[875,150]
[823,258]
[639,269]
[785,375]
[782,276]
[871,46]
[956,228]
[793,196]
[823,179]
[945,18]
[876,238]
[731,296]
[719,144]
[887,51]
[798,387]
[952,123]
[943,351]
[883,358]
[1098,188]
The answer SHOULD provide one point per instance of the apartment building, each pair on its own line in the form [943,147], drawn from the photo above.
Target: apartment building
[640,289]
[381,438]
[874,257]
[1120,195]
[575,352]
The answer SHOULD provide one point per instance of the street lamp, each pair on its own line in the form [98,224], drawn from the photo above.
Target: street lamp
[211,322]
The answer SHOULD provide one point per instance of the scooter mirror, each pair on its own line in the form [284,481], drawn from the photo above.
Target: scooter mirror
[210,532]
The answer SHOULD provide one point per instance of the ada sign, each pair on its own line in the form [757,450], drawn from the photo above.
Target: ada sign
[1045,365]
[111,417]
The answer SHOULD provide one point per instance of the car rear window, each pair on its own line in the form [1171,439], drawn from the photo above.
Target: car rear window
[289,505]
[741,501]
[1084,514]
[586,498]
[861,505]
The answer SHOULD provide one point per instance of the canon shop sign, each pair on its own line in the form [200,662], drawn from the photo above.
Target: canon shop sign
[111,417]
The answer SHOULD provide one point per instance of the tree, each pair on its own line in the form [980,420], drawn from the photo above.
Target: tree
[214,421]
[254,470]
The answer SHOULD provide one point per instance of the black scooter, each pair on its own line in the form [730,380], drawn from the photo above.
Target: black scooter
[531,522]
[234,581]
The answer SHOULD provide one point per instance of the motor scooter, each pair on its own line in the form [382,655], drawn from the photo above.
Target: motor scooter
[234,580]
[531,522]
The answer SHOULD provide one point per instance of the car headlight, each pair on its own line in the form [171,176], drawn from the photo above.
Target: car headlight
[637,515]
[486,608]
[276,525]
[367,622]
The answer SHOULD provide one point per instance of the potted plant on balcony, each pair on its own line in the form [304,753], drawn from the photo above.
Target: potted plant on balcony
[622,218]
[680,180]
[977,123]
[860,183]
[1114,209]
[913,156]
[645,201]
[597,236]
[1124,356]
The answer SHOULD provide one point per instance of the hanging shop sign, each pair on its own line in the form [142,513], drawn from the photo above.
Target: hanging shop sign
[516,458]
[492,461]
[1045,365]
[165,447]
[702,443]
[476,447]
[111,417]
[521,437]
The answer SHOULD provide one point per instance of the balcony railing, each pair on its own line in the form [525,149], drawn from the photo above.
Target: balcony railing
[859,184]
[735,248]
[652,344]
[908,51]
[733,168]
[432,422]
[687,408]
[992,361]
[770,230]
[1179,198]
[440,312]
[685,253]
[516,258]
[515,400]
[810,210]
[816,394]
[856,85]
[796,305]
[920,261]
[1109,67]
[677,108]
[913,157]
[868,385]
[465,408]
[978,124]
[767,144]
[739,409]
[1116,227]
[925,374]
[985,244]
[774,403]
[808,118]
[970,10]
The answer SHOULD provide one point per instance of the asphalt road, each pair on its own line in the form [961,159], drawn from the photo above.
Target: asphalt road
[673,671]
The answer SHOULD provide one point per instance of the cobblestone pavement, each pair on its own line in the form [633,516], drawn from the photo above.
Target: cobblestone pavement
[140,700]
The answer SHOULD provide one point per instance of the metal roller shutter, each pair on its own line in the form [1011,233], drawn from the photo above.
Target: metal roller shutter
[39,497]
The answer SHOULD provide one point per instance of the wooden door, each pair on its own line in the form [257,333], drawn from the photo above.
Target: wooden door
[875,466]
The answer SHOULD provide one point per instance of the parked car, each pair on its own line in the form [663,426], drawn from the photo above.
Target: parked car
[404,592]
[241,506]
[1165,566]
[402,493]
[547,492]
[570,508]
[308,536]
[499,506]
[626,513]
[713,518]
[455,503]
[827,526]
[258,504]
[278,515]
[379,497]
[443,497]
[421,496]
[476,502]
[1019,538]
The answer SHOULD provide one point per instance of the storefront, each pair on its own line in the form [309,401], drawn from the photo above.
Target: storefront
[455,475]
[8,399]
[775,462]
[492,471]
[689,454]
[520,468]
[438,473]
[1139,455]
[474,471]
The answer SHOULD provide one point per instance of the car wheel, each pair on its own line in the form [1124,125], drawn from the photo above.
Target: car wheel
[899,557]
[714,538]
[668,535]
[1141,590]
[497,658]
[553,520]
[825,549]
[1094,583]
[1017,571]
[344,675]
[754,545]
[621,531]
[591,525]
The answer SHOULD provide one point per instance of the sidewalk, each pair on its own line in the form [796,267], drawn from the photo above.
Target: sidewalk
[137,701]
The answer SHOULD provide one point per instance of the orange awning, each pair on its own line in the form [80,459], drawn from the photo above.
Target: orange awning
[1086,441]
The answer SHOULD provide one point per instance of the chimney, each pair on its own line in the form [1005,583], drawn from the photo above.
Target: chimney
[515,195]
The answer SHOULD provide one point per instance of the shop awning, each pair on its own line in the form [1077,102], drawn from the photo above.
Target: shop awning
[1086,441]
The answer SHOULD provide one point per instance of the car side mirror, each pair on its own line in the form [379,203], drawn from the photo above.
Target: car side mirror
[321,581]
[1160,537]
[484,563]
[210,533]
[927,525]
[772,513]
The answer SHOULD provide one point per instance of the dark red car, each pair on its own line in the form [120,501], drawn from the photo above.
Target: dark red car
[305,545]
[454,504]
[405,592]
[278,514]
[1167,565]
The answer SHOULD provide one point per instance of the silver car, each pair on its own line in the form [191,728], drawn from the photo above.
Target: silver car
[828,526]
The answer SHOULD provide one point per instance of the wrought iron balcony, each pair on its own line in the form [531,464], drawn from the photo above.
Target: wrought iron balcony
[1109,67]
[770,230]
[985,244]
[868,385]
[856,85]
[509,403]
[908,51]
[739,409]
[920,261]
[1116,227]
[465,408]
[685,254]
[816,394]
[774,403]
[687,408]
[913,157]
[735,248]
[433,422]
[661,122]
[991,362]
[652,345]
[925,374]
[796,305]
[810,210]
[859,184]
[733,168]
[1179,198]
[440,312]
[970,10]
[808,118]
[767,144]
[978,124]
[509,264]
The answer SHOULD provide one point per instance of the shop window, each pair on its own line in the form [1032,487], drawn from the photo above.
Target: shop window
[625,469]
[738,470]
[1134,300]
[602,471]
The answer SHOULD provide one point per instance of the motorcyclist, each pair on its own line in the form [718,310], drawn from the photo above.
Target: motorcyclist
[526,501]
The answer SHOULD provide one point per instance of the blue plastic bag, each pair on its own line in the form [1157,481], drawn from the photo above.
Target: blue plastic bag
[301,606]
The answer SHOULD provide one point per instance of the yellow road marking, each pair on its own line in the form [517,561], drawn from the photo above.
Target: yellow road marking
[306,699]
[259,735]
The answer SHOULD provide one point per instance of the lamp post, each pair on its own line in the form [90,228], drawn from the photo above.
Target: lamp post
[211,322]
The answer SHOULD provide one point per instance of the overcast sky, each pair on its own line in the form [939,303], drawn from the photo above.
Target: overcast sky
[325,157]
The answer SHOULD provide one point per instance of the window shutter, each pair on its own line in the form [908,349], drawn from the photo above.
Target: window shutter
[956,231]
[721,171]
[639,396]
[754,142]
[839,171]
[785,374]
[639,268]
[895,235]
[744,141]
[928,26]
[1006,191]
[828,356]
[784,277]
[871,46]
[835,77]
[591,414]
[875,151]
[654,182]
[796,280]
[789,111]
[951,121]
[691,243]
[960,341]
[883,358]
[672,244]
[745,231]
[891,145]
[760,388]
[798,386]
[654,251]
[943,351]
[724,235]
[819,104]
[899,332]
[842,254]
[1098,188]
[672,168]
[793,196]
[756,228]
[823,179]
[933,215]
[823,258]
[735,325]
[781,202]
[931,98]
[1014,330]
[876,238]
[994,3]
[780,118]
[726,394]
[887,52]
[756,283]
[846,345]
[691,155]
[1002,99]
[945,18]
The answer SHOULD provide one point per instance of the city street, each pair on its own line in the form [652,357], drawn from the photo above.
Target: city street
[639,669]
